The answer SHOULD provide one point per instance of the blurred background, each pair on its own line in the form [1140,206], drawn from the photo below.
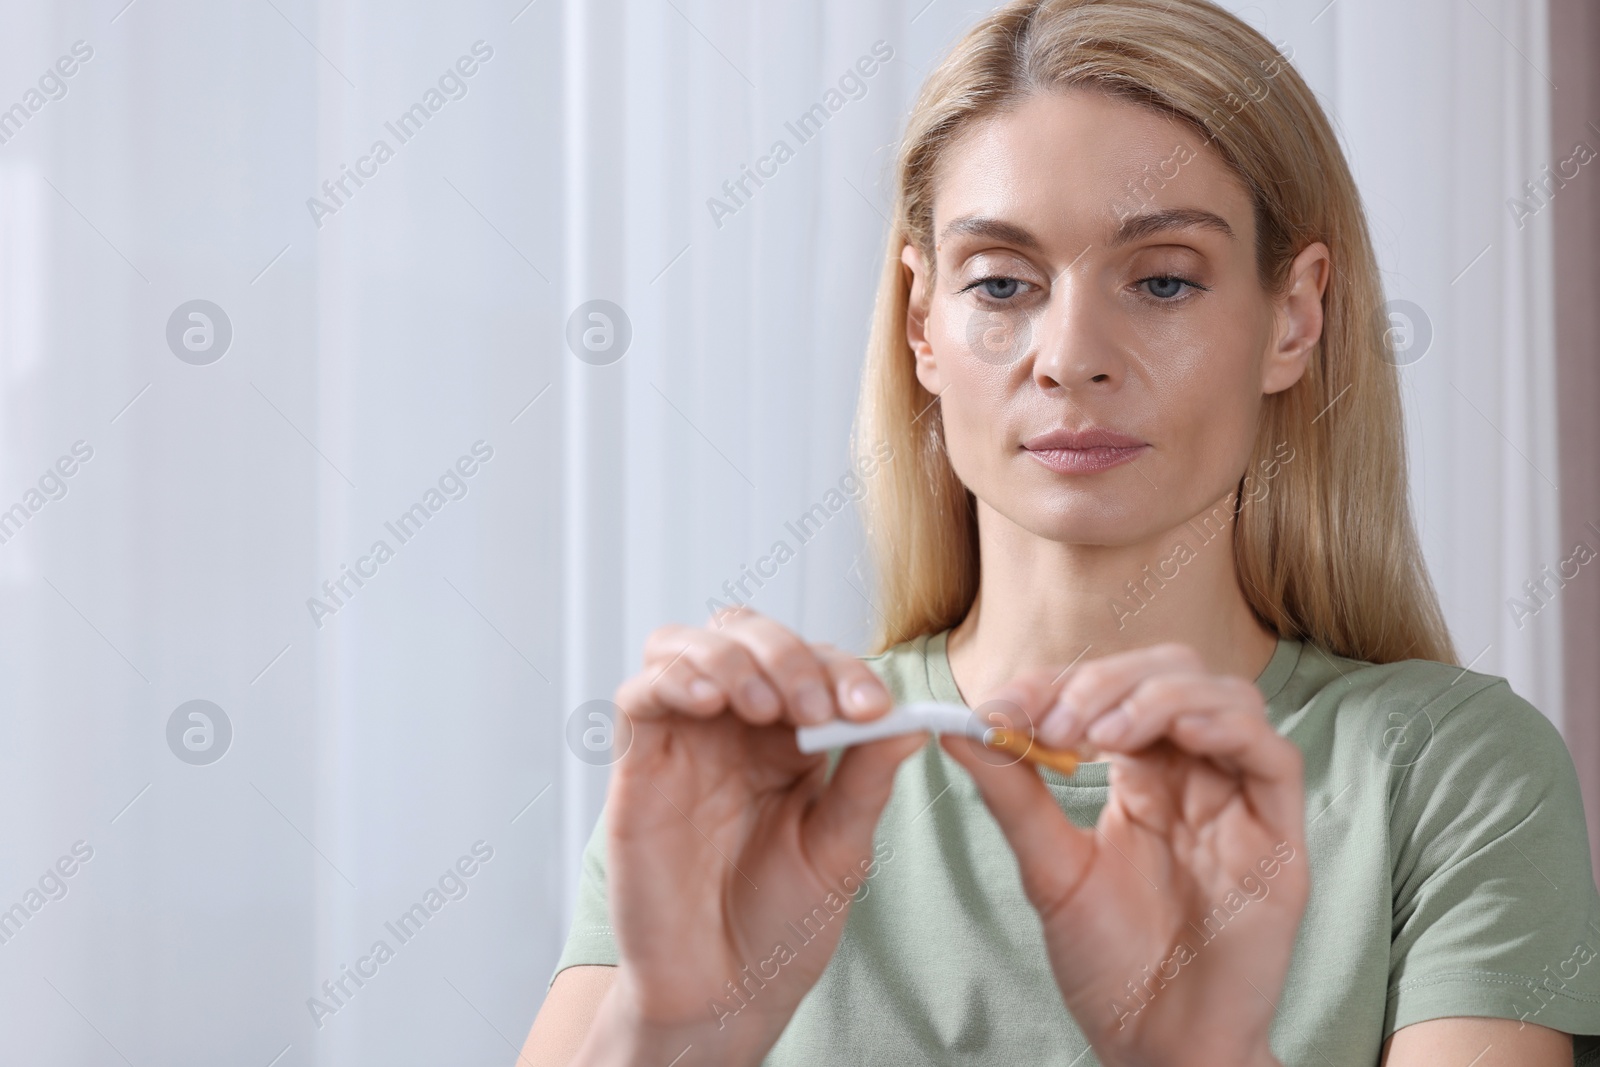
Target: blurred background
[285,280]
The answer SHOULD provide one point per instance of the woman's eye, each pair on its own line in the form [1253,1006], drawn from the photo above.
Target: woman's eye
[1166,286]
[997,289]
[1001,288]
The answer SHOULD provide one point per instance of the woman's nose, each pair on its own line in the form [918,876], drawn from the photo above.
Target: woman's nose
[1074,342]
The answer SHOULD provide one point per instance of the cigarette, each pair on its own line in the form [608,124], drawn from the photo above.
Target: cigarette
[937,717]
[1064,760]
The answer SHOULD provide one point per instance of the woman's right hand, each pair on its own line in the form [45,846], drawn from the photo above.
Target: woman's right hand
[720,833]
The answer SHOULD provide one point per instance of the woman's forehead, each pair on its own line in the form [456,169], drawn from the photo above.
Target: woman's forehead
[1080,160]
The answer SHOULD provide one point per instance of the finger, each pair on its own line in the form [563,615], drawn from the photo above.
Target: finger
[1053,855]
[1155,788]
[679,689]
[1025,699]
[666,643]
[789,664]
[635,808]
[1218,718]
[1098,685]
[857,689]
[840,824]
[1146,711]
[1271,766]
[730,614]
[728,664]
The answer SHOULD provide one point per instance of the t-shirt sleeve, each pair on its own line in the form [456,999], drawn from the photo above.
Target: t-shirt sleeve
[1495,907]
[591,939]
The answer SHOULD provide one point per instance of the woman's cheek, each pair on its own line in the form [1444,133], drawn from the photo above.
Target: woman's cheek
[1203,414]
[973,424]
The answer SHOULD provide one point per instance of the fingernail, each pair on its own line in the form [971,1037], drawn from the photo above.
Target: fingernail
[701,689]
[1058,723]
[1053,731]
[760,696]
[1109,728]
[862,696]
[814,704]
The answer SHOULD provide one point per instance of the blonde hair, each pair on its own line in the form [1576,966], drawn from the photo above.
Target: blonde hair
[1330,555]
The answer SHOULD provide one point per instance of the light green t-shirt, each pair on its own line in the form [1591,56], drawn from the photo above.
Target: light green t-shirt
[1450,875]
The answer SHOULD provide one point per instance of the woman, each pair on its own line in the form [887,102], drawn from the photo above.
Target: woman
[1145,492]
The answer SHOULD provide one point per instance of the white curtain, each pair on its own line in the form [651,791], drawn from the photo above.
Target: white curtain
[435,318]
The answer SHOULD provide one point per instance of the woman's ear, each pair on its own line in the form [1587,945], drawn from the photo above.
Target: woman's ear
[917,320]
[1299,319]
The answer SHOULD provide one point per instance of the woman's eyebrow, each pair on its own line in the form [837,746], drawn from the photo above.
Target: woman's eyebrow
[1135,227]
[984,226]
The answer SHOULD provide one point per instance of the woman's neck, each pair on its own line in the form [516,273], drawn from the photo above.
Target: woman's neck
[1044,603]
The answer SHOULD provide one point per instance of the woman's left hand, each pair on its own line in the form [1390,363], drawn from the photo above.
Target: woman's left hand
[1169,926]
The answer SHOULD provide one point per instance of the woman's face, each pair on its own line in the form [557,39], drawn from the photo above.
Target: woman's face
[1096,281]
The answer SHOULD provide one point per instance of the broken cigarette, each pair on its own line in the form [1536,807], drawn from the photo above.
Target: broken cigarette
[937,717]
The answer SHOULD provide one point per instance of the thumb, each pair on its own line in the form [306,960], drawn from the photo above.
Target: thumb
[838,831]
[1052,854]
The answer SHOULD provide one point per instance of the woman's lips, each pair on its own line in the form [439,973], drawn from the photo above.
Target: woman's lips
[1084,451]
[1086,460]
